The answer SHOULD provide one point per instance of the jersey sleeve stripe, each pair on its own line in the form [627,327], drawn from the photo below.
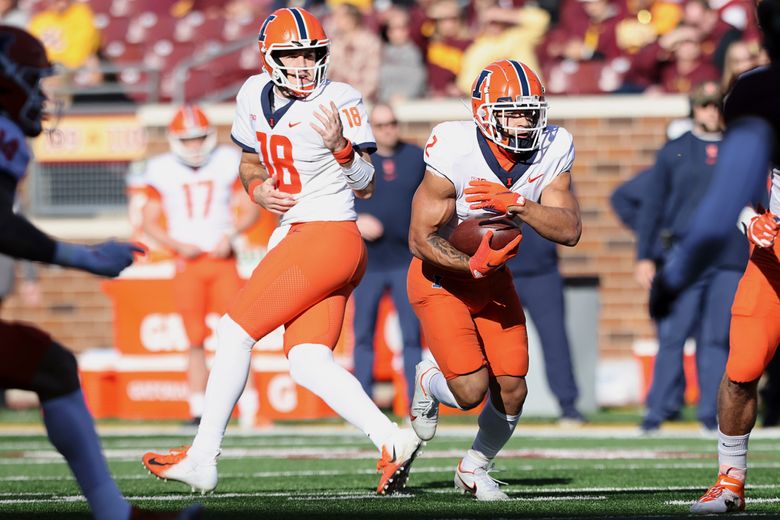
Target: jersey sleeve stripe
[246,148]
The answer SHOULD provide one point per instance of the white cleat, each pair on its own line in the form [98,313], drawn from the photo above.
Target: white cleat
[424,412]
[726,496]
[479,483]
[396,460]
[176,465]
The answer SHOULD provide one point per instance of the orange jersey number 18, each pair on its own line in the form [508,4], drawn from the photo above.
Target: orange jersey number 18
[278,159]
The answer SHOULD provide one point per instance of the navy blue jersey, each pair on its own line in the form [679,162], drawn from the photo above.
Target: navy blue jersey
[536,255]
[679,179]
[397,177]
[756,94]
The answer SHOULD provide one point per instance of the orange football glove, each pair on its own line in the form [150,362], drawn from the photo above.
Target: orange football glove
[492,196]
[763,229]
[487,259]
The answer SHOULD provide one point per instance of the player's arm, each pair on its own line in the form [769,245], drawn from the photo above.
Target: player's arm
[261,187]
[745,151]
[19,238]
[151,218]
[557,215]
[433,206]
[356,167]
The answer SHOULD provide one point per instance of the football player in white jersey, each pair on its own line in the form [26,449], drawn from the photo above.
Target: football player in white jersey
[511,162]
[31,359]
[195,190]
[305,143]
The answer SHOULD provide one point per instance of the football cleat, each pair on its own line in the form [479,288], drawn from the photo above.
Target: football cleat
[424,412]
[727,495]
[194,512]
[397,458]
[479,483]
[176,465]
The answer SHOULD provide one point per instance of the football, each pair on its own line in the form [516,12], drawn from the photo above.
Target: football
[468,235]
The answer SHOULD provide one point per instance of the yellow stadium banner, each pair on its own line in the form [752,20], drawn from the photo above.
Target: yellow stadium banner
[84,138]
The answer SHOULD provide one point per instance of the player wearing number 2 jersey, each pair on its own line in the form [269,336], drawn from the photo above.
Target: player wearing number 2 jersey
[196,188]
[305,145]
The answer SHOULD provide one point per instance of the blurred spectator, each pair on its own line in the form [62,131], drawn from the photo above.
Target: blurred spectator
[68,32]
[716,34]
[402,71]
[449,39]
[10,14]
[29,288]
[741,57]
[644,21]
[354,51]
[383,220]
[672,64]
[540,287]
[506,33]
[740,14]
[680,177]
[592,37]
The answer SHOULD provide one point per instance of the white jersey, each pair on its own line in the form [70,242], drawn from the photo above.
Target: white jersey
[196,201]
[14,151]
[457,151]
[293,152]
[774,196]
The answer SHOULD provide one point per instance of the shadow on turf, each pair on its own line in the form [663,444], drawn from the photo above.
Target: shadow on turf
[441,484]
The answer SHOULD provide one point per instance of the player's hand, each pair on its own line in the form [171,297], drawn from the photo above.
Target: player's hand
[487,259]
[763,229]
[188,251]
[332,131]
[369,226]
[223,249]
[492,196]
[273,199]
[106,259]
[644,272]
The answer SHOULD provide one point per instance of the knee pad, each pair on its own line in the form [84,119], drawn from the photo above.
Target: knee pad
[307,362]
[58,373]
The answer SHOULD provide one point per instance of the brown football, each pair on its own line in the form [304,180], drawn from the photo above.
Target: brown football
[468,235]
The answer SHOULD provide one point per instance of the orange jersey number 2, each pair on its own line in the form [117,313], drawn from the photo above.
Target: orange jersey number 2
[278,159]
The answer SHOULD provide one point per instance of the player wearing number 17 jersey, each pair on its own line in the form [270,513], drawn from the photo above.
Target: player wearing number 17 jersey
[305,144]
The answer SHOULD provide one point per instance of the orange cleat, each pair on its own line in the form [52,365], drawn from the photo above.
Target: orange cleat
[397,458]
[178,466]
[727,495]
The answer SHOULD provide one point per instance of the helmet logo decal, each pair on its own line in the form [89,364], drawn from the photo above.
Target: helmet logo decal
[477,93]
[261,36]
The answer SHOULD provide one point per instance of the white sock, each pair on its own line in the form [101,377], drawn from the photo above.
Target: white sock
[312,366]
[495,429]
[437,386]
[226,382]
[248,406]
[473,460]
[732,454]
[196,404]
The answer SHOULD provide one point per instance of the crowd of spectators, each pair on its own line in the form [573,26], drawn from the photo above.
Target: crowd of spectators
[393,50]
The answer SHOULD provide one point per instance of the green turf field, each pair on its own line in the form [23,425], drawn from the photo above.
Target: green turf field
[327,470]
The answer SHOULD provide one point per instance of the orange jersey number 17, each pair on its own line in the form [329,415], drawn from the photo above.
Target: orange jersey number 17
[278,159]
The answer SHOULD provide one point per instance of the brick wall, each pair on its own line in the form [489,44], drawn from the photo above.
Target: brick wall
[609,151]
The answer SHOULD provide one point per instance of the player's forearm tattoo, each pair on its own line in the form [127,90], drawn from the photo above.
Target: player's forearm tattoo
[447,252]
[248,172]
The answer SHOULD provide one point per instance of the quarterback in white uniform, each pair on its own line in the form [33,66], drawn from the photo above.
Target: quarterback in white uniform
[305,145]
[510,163]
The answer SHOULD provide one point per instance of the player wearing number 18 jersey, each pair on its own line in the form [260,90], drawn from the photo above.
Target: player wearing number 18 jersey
[305,145]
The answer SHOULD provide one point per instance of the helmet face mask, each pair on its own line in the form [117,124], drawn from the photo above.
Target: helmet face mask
[509,106]
[303,80]
[23,64]
[292,32]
